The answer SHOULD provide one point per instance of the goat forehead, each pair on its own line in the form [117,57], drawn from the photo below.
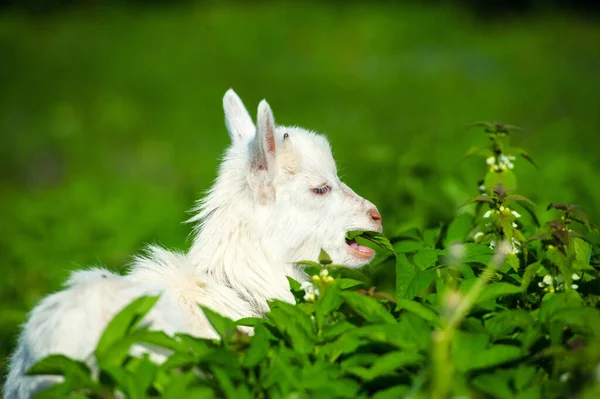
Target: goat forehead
[313,150]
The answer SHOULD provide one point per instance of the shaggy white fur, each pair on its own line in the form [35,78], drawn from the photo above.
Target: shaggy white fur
[277,200]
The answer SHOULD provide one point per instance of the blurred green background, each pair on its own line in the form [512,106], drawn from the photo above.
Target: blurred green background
[111,123]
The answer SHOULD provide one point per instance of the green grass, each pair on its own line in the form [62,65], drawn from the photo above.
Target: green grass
[111,122]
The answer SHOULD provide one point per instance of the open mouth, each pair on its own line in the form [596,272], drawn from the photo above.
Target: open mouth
[358,250]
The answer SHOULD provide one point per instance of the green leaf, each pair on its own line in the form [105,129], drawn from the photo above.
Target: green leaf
[59,365]
[395,392]
[224,326]
[472,351]
[529,274]
[378,239]
[347,283]
[179,387]
[417,308]
[324,258]
[77,375]
[426,258]
[249,321]
[259,347]
[557,302]
[458,229]
[477,253]
[113,346]
[495,384]
[329,301]
[367,307]
[513,261]
[495,290]
[386,364]
[506,322]
[420,282]
[583,250]
[294,285]
[295,324]
[407,246]
[405,272]
[478,198]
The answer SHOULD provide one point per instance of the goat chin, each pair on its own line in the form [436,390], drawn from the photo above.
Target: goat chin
[277,199]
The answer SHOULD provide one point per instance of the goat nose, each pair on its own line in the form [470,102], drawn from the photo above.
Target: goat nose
[376,216]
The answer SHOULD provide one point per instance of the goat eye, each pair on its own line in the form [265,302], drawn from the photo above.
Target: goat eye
[322,190]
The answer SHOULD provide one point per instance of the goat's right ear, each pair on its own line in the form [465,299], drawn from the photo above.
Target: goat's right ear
[264,148]
[237,119]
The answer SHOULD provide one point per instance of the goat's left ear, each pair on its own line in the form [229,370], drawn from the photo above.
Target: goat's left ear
[239,124]
[264,148]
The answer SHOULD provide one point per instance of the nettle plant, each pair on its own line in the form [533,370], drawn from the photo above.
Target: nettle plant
[490,305]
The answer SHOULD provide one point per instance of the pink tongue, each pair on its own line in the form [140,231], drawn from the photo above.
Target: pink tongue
[360,248]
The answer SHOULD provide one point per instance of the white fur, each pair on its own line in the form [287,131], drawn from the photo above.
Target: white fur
[260,216]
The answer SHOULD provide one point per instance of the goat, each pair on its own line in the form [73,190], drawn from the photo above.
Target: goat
[277,200]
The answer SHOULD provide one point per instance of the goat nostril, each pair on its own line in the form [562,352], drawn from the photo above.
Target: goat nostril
[376,216]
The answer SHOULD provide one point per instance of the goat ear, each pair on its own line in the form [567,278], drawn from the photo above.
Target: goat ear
[264,148]
[237,119]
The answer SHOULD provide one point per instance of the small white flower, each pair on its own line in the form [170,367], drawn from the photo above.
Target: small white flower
[487,214]
[548,279]
[514,225]
[324,273]
[311,292]
[574,286]
[541,285]
[502,208]
[477,235]
[492,244]
[575,277]
[564,377]
[482,187]
[516,214]
[490,161]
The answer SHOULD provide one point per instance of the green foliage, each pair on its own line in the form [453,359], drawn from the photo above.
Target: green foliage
[494,305]
[111,122]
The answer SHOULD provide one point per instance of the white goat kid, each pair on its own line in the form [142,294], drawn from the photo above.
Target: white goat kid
[277,200]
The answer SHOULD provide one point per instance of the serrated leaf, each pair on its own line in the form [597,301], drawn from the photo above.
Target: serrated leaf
[367,307]
[259,347]
[347,283]
[529,274]
[519,198]
[420,282]
[329,301]
[123,324]
[513,261]
[407,246]
[557,302]
[426,258]
[224,326]
[386,364]
[477,198]
[405,272]
[477,253]
[472,351]
[295,324]
[59,365]
[506,322]
[248,321]
[417,308]
[495,290]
